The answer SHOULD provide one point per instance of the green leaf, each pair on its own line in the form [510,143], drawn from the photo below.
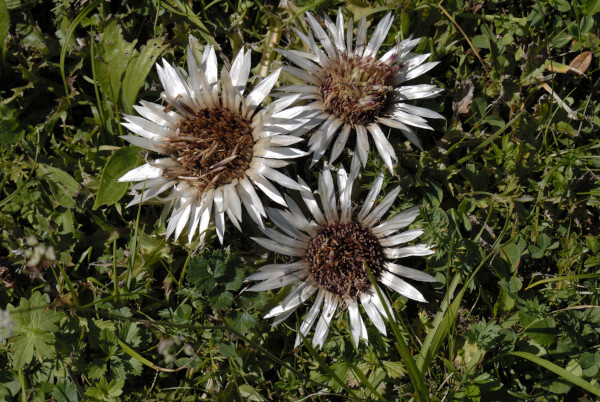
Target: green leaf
[65,391]
[110,190]
[130,334]
[97,368]
[4,23]
[121,69]
[35,330]
[114,54]
[394,369]
[591,7]
[10,131]
[62,185]
[221,300]
[199,275]
[566,375]
[241,321]
[137,71]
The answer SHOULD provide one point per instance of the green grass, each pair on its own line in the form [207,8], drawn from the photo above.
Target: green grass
[509,185]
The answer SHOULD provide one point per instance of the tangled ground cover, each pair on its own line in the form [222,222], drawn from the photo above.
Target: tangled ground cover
[96,304]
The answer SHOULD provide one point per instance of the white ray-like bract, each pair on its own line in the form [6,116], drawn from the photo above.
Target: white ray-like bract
[330,250]
[218,144]
[347,89]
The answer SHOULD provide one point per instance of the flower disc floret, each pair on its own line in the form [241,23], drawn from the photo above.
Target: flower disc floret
[356,88]
[214,148]
[337,256]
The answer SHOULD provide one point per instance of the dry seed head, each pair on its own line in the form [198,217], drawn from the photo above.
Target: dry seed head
[213,149]
[355,89]
[337,255]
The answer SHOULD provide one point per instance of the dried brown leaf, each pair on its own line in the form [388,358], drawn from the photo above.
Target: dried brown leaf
[581,62]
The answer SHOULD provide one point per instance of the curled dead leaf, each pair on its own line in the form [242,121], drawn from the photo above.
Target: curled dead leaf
[581,63]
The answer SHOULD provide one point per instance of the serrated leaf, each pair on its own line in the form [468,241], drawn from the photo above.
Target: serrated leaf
[221,300]
[237,281]
[130,334]
[227,349]
[35,328]
[198,274]
[241,321]
[108,342]
[219,268]
[114,54]
[96,368]
[394,369]
[62,185]
[137,71]
[110,190]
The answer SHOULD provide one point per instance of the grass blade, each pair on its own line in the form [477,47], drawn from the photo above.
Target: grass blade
[416,378]
[566,375]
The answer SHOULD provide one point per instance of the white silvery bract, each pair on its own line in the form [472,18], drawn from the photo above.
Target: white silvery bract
[218,144]
[349,90]
[329,252]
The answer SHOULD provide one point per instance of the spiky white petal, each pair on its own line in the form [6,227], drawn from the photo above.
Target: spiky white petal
[326,50]
[295,238]
[187,93]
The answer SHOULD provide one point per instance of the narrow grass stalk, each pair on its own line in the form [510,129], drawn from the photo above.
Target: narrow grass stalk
[70,32]
[564,278]
[445,318]
[566,375]
[365,381]
[416,378]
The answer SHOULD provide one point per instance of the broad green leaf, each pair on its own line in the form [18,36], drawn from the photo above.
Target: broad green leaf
[114,54]
[591,7]
[110,189]
[35,329]
[137,71]
[221,300]
[63,185]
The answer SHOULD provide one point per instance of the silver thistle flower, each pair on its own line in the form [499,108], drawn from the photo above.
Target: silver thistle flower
[218,144]
[352,90]
[331,254]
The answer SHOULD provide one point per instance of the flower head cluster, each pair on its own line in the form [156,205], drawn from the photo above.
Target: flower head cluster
[219,144]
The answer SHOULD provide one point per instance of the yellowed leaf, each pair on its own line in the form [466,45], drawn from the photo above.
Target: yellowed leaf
[581,62]
[557,67]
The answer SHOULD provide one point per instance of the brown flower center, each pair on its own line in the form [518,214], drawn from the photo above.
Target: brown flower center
[337,255]
[213,149]
[355,89]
